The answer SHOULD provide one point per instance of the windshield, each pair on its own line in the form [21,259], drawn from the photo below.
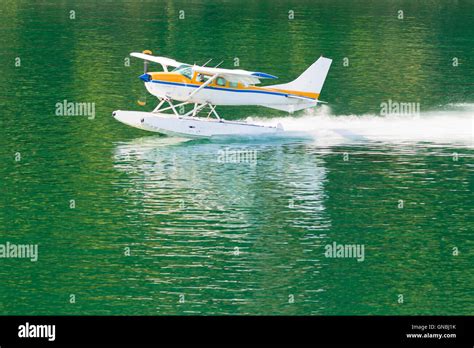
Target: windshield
[184,70]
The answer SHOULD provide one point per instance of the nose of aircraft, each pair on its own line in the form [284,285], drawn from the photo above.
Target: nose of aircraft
[145,77]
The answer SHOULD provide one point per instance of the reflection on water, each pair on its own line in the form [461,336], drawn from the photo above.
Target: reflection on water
[226,232]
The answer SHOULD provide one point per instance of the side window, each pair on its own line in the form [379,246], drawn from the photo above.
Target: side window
[220,81]
[233,84]
[187,72]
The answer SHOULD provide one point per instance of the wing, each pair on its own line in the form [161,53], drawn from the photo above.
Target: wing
[161,60]
[237,75]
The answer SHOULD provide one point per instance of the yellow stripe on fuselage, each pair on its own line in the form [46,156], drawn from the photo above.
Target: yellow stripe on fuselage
[286,91]
[178,78]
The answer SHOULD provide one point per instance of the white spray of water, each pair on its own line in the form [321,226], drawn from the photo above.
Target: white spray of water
[453,125]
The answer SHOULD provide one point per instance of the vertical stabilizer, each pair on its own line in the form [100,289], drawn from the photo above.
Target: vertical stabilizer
[311,80]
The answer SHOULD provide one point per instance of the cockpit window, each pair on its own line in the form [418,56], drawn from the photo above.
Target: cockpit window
[184,70]
[182,66]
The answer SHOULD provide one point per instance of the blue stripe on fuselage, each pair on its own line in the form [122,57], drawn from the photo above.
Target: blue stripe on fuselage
[226,89]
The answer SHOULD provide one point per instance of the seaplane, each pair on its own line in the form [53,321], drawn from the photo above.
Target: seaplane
[201,88]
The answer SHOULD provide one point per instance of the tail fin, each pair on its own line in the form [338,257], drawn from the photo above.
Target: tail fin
[312,80]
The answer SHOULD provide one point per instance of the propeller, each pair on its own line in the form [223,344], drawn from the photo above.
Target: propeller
[142,102]
[145,62]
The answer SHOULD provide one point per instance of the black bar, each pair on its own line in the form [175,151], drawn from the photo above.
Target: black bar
[348,330]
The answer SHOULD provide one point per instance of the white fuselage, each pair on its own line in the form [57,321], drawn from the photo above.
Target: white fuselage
[223,95]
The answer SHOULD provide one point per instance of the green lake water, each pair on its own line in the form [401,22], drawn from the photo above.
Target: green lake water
[213,237]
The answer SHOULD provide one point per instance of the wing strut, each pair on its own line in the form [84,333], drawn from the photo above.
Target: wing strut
[202,86]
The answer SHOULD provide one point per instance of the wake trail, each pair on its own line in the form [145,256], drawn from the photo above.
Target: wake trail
[454,124]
